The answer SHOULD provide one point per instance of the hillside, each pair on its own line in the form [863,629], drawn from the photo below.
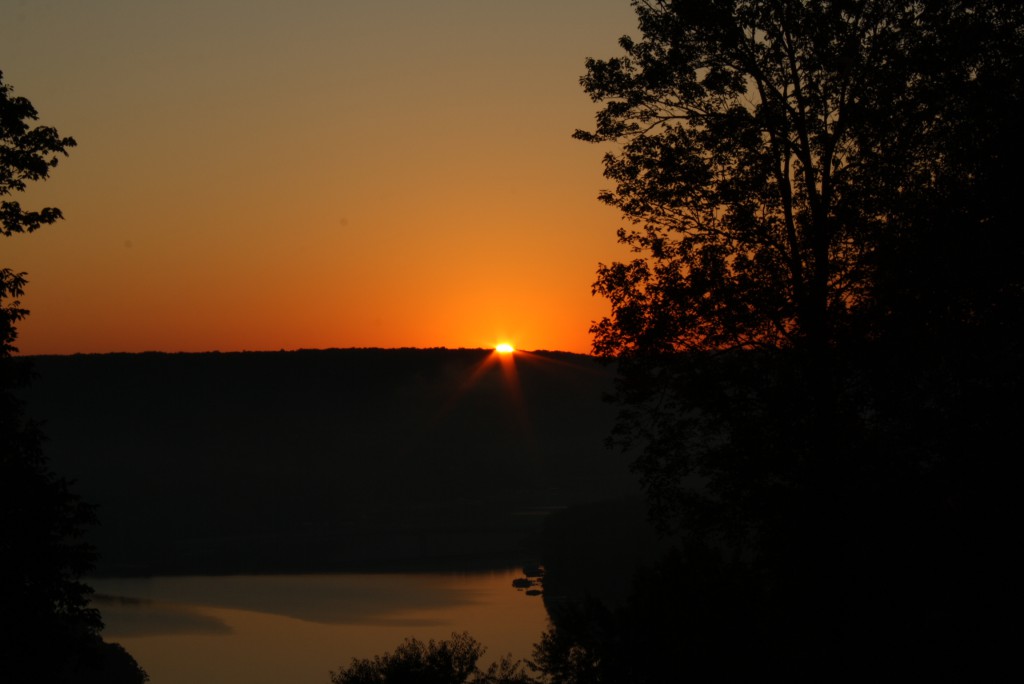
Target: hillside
[326,460]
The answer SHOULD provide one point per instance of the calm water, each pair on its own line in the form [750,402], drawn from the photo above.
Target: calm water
[295,629]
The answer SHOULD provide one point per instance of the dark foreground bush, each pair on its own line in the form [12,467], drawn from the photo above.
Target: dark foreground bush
[449,661]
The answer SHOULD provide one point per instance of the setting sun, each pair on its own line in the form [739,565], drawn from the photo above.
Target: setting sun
[504,348]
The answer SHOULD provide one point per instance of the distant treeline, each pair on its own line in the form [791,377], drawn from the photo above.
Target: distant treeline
[326,460]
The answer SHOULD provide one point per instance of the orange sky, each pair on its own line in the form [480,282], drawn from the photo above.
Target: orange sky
[281,174]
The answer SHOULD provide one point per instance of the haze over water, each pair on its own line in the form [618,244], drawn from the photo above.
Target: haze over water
[273,629]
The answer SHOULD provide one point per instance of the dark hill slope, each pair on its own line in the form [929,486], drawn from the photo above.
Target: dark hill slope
[319,460]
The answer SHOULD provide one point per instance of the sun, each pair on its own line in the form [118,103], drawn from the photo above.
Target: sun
[504,348]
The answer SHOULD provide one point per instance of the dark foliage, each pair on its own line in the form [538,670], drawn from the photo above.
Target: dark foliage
[449,661]
[27,154]
[816,346]
[688,617]
[50,632]
[783,163]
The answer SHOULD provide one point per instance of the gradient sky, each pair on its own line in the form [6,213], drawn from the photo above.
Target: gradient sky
[271,174]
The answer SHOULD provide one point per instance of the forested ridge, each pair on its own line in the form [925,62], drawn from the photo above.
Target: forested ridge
[355,458]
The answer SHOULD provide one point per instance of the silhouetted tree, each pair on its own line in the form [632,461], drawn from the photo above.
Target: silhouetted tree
[449,661]
[50,632]
[815,338]
[770,150]
[692,617]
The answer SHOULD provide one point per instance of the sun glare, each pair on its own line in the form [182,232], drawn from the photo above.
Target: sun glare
[504,348]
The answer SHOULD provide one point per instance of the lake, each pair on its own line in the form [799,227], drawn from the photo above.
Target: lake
[263,629]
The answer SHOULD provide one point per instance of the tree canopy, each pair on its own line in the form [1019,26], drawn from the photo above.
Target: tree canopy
[817,363]
[449,661]
[28,153]
[50,631]
[820,180]
[770,155]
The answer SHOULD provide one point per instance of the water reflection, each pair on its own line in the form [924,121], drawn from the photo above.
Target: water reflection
[139,617]
[298,627]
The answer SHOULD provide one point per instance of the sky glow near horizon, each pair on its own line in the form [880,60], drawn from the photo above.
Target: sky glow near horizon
[282,175]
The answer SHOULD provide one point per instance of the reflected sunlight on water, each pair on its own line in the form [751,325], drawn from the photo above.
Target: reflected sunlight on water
[296,628]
